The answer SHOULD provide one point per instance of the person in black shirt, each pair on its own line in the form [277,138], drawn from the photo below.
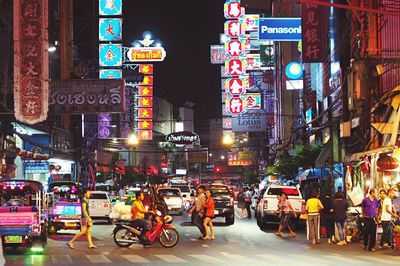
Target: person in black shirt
[339,213]
[327,216]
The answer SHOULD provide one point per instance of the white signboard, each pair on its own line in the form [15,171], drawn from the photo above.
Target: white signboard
[250,121]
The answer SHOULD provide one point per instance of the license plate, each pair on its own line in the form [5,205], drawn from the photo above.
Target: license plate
[70,224]
[216,212]
[13,239]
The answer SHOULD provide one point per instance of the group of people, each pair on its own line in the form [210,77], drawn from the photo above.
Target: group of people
[244,199]
[202,213]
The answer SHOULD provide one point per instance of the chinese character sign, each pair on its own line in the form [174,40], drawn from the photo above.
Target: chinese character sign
[110,74]
[110,7]
[110,29]
[232,10]
[314,29]
[110,55]
[31,60]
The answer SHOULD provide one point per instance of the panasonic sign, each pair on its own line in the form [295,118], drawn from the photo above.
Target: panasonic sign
[280,29]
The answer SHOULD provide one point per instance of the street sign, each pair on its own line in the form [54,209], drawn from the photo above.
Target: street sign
[235,105]
[234,48]
[234,29]
[184,137]
[235,86]
[146,54]
[234,67]
[232,10]
[251,22]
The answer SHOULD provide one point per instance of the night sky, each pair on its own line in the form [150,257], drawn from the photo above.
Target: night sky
[186,30]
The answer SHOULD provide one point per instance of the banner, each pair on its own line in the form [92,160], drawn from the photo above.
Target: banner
[314,31]
[31,60]
[88,96]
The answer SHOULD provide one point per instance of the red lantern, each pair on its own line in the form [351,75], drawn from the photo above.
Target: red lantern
[385,163]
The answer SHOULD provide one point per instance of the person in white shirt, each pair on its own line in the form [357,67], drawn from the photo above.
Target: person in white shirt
[388,211]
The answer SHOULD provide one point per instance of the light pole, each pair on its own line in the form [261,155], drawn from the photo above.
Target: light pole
[132,142]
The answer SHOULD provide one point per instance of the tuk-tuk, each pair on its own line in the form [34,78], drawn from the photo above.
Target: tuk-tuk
[22,215]
[64,208]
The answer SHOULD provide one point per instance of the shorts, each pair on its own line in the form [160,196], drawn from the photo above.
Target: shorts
[85,223]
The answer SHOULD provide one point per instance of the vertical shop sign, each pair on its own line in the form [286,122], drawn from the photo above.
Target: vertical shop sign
[314,28]
[31,60]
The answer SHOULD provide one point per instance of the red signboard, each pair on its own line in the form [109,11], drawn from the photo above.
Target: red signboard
[234,29]
[31,60]
[234,48]
[145,124]
[145,112]
[145,91]
[234,67]
[145,101]
[232,10]
[236,86]
[146,69]
[314,25]
[236,105]
[145,134]
[147,81]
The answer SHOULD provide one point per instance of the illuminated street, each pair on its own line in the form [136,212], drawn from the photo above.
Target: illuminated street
[240,244]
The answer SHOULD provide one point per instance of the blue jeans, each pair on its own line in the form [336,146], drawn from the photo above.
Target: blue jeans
[387,233]
[340,226]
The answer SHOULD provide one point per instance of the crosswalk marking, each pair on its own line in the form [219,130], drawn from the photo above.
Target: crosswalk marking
[98,259]
[206,258]
[314,259]
[271,257]
[170,258]
[135,259]
[238,257]
[336,257]
[61,259]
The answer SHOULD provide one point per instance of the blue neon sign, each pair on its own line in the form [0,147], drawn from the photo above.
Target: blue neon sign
[110,7]
[110,55]
[110,29]
[280,29]
[294,70]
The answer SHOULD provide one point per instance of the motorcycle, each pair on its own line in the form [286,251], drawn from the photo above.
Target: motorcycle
[125,235]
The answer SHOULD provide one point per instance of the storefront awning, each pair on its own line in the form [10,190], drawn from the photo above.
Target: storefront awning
[357,156]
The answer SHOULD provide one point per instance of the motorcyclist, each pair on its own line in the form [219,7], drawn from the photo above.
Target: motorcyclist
[138,215]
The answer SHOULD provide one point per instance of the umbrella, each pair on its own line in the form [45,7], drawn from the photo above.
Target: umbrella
[315,173]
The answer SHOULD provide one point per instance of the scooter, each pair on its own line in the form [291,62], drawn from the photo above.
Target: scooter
[125,235]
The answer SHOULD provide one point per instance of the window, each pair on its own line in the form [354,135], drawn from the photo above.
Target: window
[168,192]
[182,188]
[101,196]
[279,191]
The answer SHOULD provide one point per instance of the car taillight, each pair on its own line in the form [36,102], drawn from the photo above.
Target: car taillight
[265,205]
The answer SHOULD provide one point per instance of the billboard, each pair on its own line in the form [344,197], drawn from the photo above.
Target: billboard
[87,96]
[280,29]
[250,121]
[217,54]
[110,29]
[146,54]
[240,158]
[110,55]
[31,60]
[198,157]
[110,7]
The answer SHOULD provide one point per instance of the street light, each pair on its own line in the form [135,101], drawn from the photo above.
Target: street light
[227,139]
[132,142]
[222,157]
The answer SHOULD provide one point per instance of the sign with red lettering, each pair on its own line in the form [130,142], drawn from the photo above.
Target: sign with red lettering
[31,61]
[235,105]
[234,48]
[147,81]
[234,29]
[145,101]
[145,124]
[235,86]
[146,69]
[145,134]
[232,10]
[314,25]
[234,67]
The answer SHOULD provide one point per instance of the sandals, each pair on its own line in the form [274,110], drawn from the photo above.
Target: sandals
[205,238]
[278,234]
[69,245]
[93,247]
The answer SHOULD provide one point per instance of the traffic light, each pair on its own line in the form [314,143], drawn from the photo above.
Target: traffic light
[218,170]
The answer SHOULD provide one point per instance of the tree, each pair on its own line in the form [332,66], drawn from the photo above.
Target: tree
[250,176]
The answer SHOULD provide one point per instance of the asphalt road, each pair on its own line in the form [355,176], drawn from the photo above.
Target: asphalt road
[240,244]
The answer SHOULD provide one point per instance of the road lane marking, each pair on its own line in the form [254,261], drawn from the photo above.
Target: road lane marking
[135,259]
[105,253]
[205,246]
[206,258]
[238,257]
[170,258]
[61,259]
[98,259]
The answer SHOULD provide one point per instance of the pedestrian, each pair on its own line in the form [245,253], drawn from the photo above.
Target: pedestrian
[86,222]
[388,211]
[209,207]
[369,207]
[340,206]
[241,203]
[121,193]
[313,208]
[247,201]
[286,211]
[396,200]
[327,216]
[197,211]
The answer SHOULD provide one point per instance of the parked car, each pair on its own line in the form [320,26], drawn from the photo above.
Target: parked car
[173,199]
[100,205]
[224,202]
[257,198]
[266,210]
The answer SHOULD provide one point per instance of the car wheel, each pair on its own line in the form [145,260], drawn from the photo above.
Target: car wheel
[261,224]
[229,220]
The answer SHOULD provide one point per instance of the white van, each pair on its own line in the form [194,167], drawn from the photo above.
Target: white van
[100,205]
